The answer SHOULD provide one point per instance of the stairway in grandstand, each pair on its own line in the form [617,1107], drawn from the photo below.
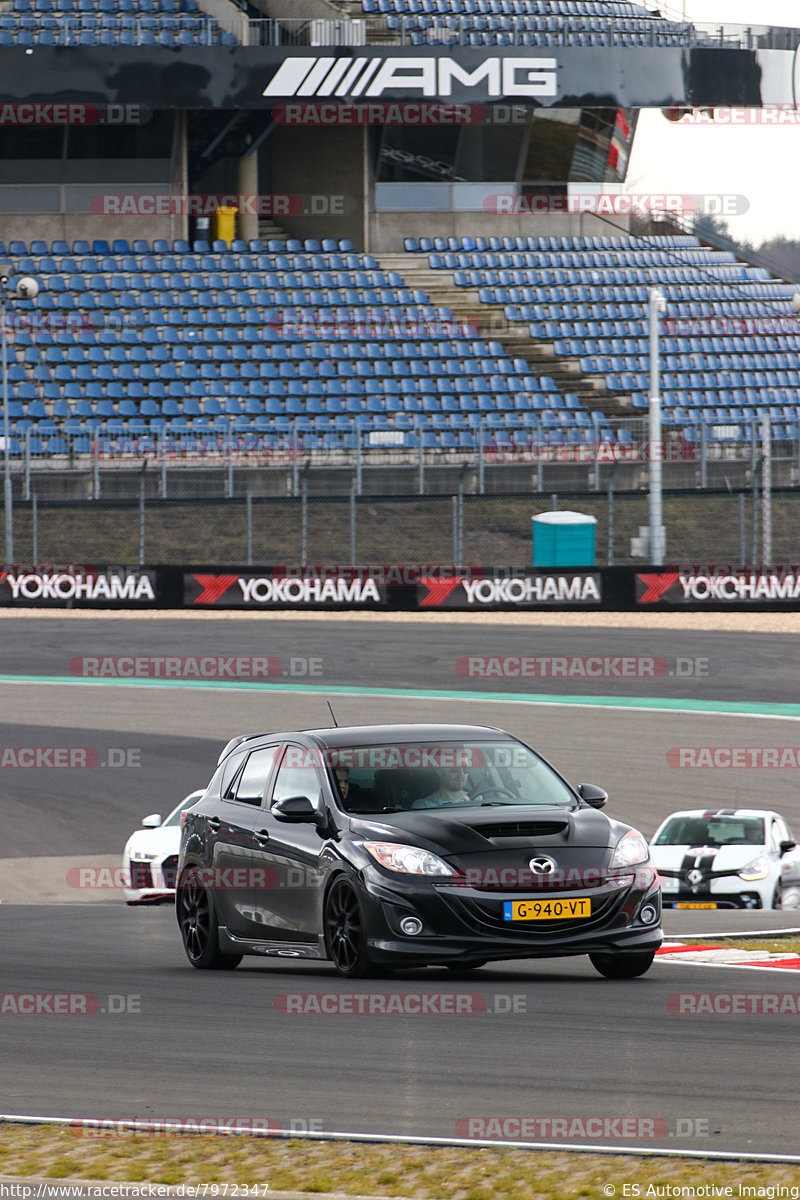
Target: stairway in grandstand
[377,27]
[490,321]
[268,231]
[730,344]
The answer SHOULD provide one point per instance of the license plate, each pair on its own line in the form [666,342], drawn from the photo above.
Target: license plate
[546,910]
[692,904]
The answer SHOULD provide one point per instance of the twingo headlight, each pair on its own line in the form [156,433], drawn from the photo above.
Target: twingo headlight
[757,869]
[409,860]
[630,850]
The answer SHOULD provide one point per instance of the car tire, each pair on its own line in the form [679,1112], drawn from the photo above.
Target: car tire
[623,965]
[345,933]
[790,899]
[197,919]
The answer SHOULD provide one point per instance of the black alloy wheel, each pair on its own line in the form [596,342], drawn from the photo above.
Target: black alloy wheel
[345,934]
[197,920]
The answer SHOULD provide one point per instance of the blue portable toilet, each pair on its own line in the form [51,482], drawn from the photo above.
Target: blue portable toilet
[564,539]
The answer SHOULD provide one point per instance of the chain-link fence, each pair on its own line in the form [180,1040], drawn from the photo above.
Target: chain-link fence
[460,528]
[387,496]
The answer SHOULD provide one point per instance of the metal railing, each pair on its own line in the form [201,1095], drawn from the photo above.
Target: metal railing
[261,497]
[166,29]
[73,29]
[697,226]
[696,443]
[457,30]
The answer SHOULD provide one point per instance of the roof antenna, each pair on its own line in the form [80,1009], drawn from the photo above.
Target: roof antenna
[333,714]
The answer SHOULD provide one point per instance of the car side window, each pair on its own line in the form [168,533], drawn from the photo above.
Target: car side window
[224,773]
[296,780]
[250,784]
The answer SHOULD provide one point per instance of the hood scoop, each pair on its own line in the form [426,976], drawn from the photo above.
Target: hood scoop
[518,829]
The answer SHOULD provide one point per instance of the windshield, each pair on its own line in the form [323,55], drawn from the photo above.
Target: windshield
[712,831]
[174,817]
[401,777]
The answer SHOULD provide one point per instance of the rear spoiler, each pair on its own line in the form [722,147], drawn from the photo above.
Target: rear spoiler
[237,741]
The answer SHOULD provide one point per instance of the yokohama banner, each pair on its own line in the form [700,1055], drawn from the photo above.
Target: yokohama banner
[715,586]
[498,588]
[400,587]
[285,587]
[78,585]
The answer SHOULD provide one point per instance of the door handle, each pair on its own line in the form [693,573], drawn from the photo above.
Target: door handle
[261,836]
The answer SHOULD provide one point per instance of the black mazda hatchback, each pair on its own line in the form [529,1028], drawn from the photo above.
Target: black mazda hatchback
[388,846]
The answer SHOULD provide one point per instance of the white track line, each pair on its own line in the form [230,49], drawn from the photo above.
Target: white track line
[402,1140]
[402,694]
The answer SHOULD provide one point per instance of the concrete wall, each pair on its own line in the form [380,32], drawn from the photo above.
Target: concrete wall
[387,230]
[311,163]
[55,227]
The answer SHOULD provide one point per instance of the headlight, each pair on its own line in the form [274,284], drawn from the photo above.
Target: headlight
[629,850]
[757,869]
[409,860]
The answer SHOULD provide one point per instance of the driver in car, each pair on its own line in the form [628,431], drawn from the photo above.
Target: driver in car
[449,792]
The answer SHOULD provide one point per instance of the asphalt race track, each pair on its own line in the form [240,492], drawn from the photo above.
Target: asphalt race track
[543,1040]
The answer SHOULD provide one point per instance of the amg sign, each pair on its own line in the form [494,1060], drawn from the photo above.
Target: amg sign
[432,77]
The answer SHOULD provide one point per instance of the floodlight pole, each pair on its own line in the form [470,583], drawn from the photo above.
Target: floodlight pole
[657,304]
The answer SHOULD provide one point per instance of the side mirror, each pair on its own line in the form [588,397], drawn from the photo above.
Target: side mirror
[787,846]
[297,809]
[592,795]
[151,822]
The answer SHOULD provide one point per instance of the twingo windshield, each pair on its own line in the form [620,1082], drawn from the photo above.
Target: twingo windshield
[416,775]
[712,831]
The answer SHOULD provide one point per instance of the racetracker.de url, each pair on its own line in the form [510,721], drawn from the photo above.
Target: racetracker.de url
[128,1191]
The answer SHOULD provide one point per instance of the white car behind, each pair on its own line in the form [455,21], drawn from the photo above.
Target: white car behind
[727,858]
[150,857]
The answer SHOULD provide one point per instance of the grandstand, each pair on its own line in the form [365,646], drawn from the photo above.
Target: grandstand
[527,23]
[110,23]
[413,316]
[313,340]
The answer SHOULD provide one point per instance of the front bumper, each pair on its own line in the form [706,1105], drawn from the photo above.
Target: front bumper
[463,925]
[152,881]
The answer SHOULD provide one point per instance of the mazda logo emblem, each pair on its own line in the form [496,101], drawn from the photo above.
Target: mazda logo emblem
[542,865]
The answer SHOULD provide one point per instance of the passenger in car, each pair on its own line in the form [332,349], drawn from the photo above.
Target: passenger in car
[354,798]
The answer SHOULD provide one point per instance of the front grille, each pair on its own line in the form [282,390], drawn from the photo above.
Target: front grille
[721,899]
[507,829]
[707,874]
[141,874]
[522,880]
[487,917]
[169,869]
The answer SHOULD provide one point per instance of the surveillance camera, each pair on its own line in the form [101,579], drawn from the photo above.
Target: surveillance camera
[27,288]
[796,302]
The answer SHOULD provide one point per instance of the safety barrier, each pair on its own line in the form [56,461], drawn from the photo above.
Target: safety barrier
[401,587]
